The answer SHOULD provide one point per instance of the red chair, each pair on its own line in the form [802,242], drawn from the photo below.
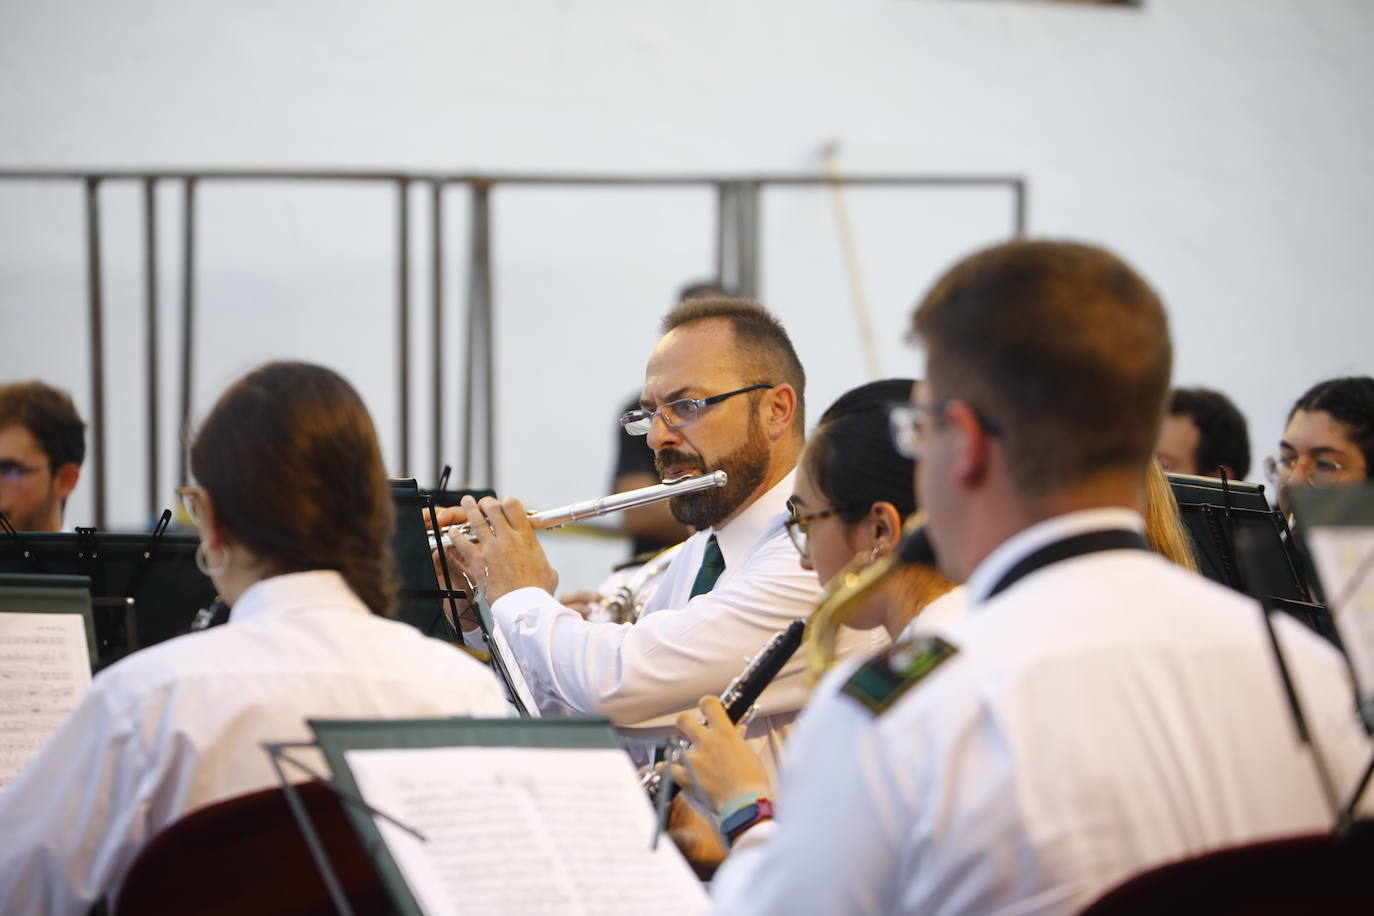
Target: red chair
[248,855]
[1289,877]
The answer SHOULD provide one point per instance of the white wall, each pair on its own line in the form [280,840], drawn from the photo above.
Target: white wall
[1220,145]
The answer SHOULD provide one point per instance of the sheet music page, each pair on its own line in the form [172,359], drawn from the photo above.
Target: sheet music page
[517,677]
[45,666]
[524,831]
[1344,557]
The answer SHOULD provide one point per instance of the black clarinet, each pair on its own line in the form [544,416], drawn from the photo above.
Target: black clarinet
[743,691]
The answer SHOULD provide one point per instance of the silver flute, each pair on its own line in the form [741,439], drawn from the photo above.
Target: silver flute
[616,502]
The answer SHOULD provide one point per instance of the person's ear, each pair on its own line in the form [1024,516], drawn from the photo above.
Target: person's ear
[885,525]
[780,408]
[64,480]
[212,534]
[970,460]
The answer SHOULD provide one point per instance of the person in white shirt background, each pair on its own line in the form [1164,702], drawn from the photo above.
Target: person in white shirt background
[294,517]
[723,390]
[1097,710]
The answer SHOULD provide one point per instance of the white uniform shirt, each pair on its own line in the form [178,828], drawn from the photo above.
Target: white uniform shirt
[1103,715]
[643,675]
[179,725]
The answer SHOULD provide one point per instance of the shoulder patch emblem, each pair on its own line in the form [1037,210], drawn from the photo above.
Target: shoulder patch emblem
[884,678]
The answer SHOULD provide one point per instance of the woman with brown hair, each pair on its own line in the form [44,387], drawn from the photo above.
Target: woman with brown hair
[294,517]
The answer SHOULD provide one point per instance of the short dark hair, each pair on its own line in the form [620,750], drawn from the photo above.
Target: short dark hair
[1350,402]
[290,459]
[50,417]
[765,351]
[851,457]
[1062,346]
[1222,434]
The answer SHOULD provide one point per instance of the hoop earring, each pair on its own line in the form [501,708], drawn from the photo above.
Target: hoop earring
[203,564]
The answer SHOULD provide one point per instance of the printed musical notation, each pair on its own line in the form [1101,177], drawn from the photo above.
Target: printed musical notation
[524,831]
[45,666]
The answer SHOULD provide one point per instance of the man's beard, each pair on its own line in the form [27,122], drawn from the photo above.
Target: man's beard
[746,467]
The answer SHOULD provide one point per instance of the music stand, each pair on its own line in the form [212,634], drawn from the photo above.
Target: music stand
[335,738]
[1242,542]
[1337,525]
[156,570]
[31,593]
[421,596]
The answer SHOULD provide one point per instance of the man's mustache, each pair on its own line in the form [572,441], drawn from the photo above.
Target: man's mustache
[671,458]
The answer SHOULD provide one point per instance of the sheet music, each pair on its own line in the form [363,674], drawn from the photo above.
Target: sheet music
[524,831]
[512,668]
[1344,557]
[45,666]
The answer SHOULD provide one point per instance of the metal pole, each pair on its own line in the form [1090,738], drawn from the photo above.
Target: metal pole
[97,343]
[747,240]
[403,319]
[1018,207]
[188,290]
[725,268]
[150,282]
[479,340]
[437,281]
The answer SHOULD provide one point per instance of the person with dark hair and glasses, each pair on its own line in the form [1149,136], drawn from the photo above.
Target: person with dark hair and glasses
[1329,438]
[723,390]
[42,445]
[294,512]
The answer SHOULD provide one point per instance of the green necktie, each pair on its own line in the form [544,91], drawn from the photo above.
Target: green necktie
[712,565]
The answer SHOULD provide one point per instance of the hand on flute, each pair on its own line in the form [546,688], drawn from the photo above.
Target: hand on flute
[719,765]
[505,554]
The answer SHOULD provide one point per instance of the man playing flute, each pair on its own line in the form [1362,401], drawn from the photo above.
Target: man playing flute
[723,389]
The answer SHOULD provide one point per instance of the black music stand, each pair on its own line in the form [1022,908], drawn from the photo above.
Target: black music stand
[145,588]
[1242,542]
[421,595]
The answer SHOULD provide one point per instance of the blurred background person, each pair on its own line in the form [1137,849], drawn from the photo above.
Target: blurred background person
[1329,439]
[42,445]
[1203,433]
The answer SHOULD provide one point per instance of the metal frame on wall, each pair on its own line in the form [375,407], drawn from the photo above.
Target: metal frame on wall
[738,209]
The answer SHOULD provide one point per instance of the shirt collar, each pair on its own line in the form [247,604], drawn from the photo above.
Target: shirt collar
[1025,542]
[738,537]
[295,591]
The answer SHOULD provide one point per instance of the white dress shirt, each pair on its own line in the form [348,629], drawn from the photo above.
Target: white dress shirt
[179,725]
[1101,716]
[643,675]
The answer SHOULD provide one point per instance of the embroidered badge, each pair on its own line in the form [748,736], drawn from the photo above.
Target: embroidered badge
[883,679]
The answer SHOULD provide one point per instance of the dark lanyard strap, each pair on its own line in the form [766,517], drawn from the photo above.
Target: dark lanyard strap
[1076,546]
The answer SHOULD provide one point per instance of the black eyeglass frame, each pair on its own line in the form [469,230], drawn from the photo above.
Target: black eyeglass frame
[681,405]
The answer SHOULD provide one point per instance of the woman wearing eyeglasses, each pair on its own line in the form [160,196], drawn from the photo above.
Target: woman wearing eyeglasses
[1329,439]
[293,512]
[852,493]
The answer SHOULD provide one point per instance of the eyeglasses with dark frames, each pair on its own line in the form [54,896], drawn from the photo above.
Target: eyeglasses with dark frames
[799,525]
[677,413]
